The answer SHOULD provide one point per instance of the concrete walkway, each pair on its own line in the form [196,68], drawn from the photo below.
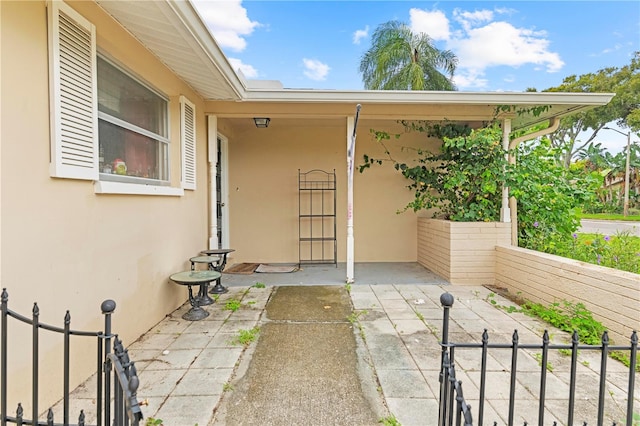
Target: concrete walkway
[189,370]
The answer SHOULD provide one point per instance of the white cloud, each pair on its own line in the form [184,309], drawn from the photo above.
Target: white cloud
[315,70]
[435,23]
[480,40]
[500,43]
[469,20]
[470,79]
[360,34]
[228,22]
[247,70]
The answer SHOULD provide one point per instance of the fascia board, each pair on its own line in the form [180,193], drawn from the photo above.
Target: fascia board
[426,97]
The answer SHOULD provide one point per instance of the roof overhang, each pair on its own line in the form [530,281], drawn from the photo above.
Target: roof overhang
[525,109]
[176,34]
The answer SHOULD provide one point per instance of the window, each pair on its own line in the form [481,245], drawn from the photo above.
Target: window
[107,125]
[132,128]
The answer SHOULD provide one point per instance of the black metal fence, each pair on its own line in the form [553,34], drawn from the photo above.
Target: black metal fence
[111,356]
[454,408]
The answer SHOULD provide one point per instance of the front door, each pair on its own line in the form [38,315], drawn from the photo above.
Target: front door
[222,194]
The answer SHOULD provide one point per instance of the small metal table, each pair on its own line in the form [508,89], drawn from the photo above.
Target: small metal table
[203,295]
[190,278]
[219,267]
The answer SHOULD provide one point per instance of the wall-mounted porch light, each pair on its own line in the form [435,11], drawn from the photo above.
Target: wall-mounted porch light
[261,122]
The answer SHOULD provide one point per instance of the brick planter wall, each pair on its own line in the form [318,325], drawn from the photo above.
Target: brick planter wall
[612,296]
[461,252]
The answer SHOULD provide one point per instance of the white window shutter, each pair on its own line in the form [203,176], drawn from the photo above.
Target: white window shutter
[73,94]
[188,142]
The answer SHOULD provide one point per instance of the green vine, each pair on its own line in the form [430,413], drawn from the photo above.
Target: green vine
[463,181]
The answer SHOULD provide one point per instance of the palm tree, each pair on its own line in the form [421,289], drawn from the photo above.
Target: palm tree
[400,59]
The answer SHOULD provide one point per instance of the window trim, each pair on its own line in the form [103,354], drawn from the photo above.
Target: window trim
[127,188]
[166,140]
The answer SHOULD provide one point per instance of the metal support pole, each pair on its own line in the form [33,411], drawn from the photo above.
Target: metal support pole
[108,306]
[446,300]
[626,177]
[3,358]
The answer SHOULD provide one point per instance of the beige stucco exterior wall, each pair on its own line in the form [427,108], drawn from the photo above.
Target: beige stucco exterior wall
[612,296]
[461,252]
[65,246]
[263,189]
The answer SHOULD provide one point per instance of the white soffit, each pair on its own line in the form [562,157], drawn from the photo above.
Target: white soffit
[174,32]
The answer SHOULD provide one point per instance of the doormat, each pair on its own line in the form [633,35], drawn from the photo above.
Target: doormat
[278,269]
[242,268]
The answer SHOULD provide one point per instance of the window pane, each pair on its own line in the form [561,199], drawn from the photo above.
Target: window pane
[122,97]
[127,153]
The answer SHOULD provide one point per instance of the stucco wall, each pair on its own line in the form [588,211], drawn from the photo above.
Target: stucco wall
[612,296]
[65,246]
[461,252]
[263,189]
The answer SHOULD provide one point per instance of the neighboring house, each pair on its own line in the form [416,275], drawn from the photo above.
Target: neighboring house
[115,117]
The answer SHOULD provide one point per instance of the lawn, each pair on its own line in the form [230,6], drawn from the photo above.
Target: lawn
[609,216]
[621,251]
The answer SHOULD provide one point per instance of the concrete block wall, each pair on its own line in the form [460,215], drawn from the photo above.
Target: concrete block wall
[461,252]
[612,296]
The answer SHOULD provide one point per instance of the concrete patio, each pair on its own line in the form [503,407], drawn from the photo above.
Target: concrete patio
[187,369]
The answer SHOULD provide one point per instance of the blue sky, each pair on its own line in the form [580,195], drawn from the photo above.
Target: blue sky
[500,45]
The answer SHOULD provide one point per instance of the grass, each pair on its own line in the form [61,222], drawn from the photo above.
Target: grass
[569,316]
[232,305]
[390,421]
[608,216]
[538,357]
[245,337]
[259,285]
[354,319]
[620,251]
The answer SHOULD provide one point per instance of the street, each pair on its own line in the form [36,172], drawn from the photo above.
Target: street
[609,227]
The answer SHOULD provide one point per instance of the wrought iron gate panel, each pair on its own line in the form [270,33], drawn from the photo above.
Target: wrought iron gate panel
[124,396]
[451,389]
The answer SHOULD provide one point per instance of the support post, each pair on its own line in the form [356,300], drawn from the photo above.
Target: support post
[626,177]
[505,213]
[352,124]
[350,238]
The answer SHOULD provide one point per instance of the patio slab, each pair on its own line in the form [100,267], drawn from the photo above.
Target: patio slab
[189,370]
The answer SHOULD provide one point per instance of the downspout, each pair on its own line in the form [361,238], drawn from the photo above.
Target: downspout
[554,123]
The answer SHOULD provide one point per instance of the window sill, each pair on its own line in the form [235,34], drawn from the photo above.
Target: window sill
[103,187]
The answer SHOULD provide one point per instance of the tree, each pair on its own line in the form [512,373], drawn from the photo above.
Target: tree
[547,195]
[624,108]
[400,59]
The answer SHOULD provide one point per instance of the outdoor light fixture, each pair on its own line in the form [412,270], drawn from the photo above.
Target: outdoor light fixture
[261,122]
